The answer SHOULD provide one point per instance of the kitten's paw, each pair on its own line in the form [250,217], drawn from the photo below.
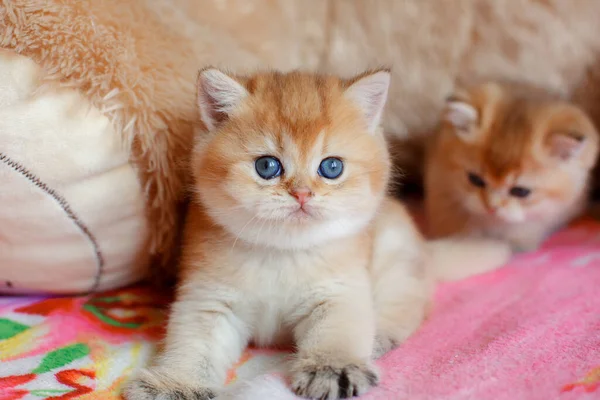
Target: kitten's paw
[151,386]
[525,247]
[383,344]
[329,382]
[525,244]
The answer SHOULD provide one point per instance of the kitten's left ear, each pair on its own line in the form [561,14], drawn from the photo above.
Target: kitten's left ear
[461,115]
[369,92]
[218,96]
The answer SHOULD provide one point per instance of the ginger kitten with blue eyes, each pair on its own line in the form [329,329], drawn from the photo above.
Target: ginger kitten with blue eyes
[508,164]
[291,239]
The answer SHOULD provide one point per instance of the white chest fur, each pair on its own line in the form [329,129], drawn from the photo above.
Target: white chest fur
[270,291]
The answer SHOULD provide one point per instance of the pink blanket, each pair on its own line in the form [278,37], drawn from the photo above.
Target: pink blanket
[530,330]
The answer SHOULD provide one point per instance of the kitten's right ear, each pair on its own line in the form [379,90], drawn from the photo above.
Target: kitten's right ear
[462,116]
[218,96]
[369,93]
[565,145]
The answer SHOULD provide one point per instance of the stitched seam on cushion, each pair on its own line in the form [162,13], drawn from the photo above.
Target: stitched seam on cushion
[62,202]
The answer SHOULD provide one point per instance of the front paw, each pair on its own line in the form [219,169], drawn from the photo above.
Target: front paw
[153,385]
[329,381]
[526,243]
[525,246]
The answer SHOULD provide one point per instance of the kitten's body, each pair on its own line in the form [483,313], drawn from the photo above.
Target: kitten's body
[277,288]
[495,139]
[343,273]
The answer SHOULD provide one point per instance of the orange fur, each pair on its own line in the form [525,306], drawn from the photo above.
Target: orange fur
[312,116]
[508,137]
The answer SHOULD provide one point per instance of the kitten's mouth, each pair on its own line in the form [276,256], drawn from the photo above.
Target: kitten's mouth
[301,212]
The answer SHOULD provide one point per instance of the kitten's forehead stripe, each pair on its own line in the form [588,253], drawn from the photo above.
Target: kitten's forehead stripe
[508,140]
[298,104]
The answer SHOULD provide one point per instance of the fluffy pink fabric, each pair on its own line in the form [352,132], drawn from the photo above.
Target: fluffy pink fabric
[529,331]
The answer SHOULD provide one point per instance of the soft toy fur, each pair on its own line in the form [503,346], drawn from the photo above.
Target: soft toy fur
[137,60]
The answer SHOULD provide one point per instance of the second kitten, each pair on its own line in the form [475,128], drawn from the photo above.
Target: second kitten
[508,165]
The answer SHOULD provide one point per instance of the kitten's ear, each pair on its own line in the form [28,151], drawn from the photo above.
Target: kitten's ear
[218,96]
[462,115]
[565,145]
[369,92]
[571,134]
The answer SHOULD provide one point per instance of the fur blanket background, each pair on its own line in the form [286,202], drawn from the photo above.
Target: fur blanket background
[137,61]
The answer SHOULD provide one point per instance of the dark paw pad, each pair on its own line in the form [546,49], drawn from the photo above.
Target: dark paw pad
[328,383]
[190,394]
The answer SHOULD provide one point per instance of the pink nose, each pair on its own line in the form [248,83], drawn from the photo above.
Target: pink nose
[301,195]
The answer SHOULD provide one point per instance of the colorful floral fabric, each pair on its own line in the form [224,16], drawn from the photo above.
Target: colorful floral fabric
[75,347]
[87,347]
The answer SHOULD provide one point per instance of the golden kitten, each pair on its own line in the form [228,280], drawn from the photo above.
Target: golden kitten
[291,239]
[508,164]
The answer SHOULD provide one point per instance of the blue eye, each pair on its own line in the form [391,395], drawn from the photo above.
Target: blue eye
[268,167]
[331,168]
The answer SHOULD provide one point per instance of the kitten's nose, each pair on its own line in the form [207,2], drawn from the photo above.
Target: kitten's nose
[493,204]
[301,195]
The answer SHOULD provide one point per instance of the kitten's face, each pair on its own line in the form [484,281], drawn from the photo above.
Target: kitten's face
[295,162]
[524,193]
[514,160]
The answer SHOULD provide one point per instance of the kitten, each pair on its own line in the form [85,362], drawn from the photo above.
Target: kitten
[292,239]
[508,164]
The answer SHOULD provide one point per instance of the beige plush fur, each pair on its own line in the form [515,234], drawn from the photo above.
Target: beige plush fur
[137,60]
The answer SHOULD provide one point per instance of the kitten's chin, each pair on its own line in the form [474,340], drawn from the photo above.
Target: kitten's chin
[502,216]
[511,220]
[515,216]
[301,216]
[298,232]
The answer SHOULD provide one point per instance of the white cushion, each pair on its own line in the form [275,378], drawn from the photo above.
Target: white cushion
[71,206]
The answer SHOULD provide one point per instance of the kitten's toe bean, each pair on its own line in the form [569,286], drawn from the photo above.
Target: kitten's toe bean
[149,387]
[326,382]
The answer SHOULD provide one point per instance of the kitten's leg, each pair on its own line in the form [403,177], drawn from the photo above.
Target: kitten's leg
[401,287]
[204,339]
[398,318]
[401,299]
[335,343]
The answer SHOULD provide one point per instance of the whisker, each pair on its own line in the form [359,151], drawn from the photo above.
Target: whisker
[241,231]
[259,231]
